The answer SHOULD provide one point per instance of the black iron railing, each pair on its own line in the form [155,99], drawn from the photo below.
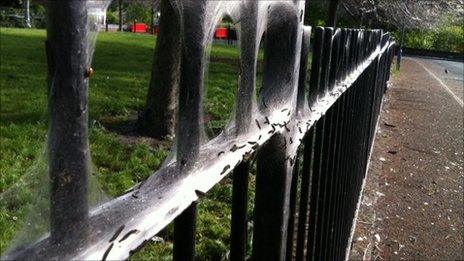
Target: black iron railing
[329,126]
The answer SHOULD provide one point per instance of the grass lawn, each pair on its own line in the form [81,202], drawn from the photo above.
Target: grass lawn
[120,158]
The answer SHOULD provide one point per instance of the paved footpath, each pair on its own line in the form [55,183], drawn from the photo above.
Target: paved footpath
[412,206]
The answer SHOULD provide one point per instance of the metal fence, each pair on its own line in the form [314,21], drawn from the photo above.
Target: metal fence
[312,143]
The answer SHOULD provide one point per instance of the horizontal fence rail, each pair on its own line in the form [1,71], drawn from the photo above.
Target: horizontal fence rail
[329,126]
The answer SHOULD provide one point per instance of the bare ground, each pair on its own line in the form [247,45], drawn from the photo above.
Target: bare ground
[412,206]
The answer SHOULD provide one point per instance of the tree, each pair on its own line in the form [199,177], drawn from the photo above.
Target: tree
[413,14]
[120,14]
[332,16]
[27,14]
[158,119]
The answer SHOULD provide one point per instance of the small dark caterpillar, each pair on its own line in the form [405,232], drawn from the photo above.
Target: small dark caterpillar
[105,255]
[286,127]
[172,211]
[284,110]
[270,132]
[235,147]
[116,234]
[252,142]
[273,127]
[221,152]
[257,123]
[266,120]
[225,169]
[128,234]
[259,137]
[291,140]
[289,112]
[299,128]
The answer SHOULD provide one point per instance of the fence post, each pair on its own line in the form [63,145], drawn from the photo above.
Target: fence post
[400,50]
[68,132]
[248,59]
[239,224]
[272,196]
[304,195]
[184,234]
[191,83]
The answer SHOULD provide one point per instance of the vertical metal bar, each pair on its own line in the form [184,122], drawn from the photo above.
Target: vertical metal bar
[339,174]
[346,158]
[326,58]
[292,210]
[316,66]
[184,234]
[329,169]
[400,49]
[68,145]
[248,60]
[334,59]
[272,196]
[333,172]
[303,68]
[239,223]
[304,194]
[315,189]
[322,137]
[325,184]
[328,139]
[191,84]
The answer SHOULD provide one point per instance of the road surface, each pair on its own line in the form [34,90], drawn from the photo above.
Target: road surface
[450,73]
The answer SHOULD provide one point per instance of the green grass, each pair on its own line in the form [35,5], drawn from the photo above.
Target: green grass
[116,94]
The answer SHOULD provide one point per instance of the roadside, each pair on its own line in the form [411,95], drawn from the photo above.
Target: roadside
[412,206]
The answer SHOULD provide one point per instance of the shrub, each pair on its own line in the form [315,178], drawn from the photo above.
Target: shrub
[112,17]
[420,39]
[14,17]
[138,12]
[450,38]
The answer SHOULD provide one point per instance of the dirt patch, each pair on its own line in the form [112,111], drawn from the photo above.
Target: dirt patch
[126,129]
[412,207]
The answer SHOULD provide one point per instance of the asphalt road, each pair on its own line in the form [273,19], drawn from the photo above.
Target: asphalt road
[450,73]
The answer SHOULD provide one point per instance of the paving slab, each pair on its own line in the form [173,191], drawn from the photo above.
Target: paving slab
[412,206]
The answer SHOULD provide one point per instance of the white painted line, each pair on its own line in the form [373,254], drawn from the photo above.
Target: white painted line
[442,84]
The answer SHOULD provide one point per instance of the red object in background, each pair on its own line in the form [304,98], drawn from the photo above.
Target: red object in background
[221,33]
[139,28]
[155,30]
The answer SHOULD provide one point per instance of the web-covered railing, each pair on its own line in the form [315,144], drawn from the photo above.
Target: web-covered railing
[312,141]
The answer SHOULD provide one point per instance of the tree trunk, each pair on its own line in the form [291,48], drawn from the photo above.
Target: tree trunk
[27,14]
[120,14]
[158,119]
[332,16]
[152,18]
